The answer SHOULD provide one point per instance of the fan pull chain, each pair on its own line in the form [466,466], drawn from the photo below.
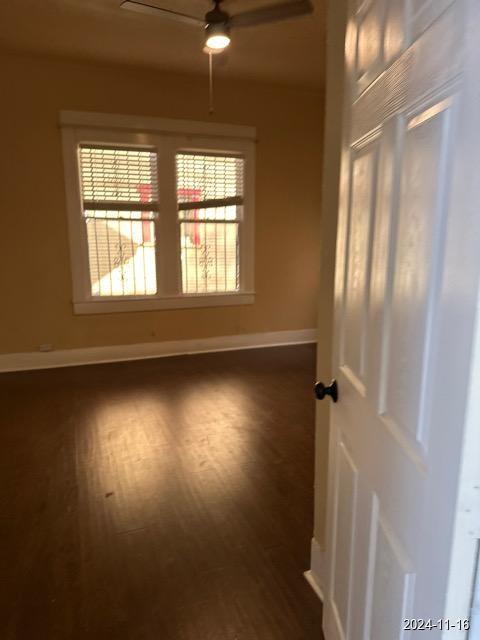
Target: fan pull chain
[210,82]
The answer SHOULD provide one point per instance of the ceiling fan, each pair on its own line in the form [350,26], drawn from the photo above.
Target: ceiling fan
[218,23]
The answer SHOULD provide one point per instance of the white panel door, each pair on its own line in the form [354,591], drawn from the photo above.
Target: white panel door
[407,277]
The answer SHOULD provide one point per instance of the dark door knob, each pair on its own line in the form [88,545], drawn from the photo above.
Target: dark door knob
[321,390]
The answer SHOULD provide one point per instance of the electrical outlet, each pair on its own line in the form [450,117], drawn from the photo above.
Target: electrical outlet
[45,347]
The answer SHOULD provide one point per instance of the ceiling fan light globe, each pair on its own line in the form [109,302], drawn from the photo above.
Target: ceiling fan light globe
[217,42]
[213,52]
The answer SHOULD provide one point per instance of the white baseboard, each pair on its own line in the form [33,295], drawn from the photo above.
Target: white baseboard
[313,583]
[116,353]
[316,576]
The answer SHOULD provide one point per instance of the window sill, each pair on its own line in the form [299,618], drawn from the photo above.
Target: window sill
[148,303]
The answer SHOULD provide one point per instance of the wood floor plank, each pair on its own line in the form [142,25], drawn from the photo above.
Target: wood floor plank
[166,499]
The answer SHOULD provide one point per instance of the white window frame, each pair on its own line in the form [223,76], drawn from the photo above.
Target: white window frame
[166,138]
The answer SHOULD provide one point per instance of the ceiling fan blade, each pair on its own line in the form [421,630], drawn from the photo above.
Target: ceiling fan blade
[141,7]
[272,13]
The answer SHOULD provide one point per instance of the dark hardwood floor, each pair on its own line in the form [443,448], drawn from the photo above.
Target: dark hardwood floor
[165,499]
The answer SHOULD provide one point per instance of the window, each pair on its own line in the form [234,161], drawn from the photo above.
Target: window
[120,201]
[160,212]
[210,205]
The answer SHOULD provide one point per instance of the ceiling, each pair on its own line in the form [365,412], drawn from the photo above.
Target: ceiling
[290,52]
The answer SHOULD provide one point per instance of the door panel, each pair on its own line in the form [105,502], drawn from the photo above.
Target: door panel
[394,34]
[345,531]
[424,12]
[364,166]
[392,585]
[417,264]
[369,43]
[382,257]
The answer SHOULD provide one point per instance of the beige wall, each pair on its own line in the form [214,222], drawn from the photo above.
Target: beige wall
[336,19]
[35,282]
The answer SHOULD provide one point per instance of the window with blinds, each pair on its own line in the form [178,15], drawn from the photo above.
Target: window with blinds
[153,224]
[120,202]
[210,198]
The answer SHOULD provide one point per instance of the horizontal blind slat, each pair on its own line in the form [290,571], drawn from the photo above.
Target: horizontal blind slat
[117,205]
[210,204]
